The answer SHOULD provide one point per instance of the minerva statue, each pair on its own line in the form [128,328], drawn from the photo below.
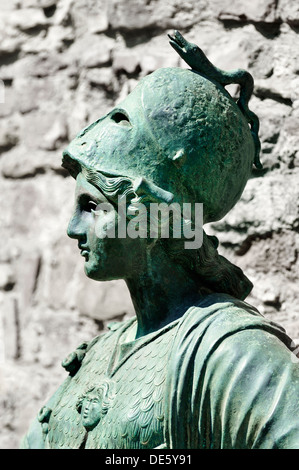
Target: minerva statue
[197,367]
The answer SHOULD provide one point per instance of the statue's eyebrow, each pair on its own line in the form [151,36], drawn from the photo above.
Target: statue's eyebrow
[85,195]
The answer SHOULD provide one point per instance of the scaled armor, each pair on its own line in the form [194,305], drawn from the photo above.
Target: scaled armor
[222,376]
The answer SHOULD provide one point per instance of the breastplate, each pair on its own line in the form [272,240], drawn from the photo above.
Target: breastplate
[115,400]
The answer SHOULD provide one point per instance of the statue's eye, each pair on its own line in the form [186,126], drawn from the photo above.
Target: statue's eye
[88,205]
[121,118]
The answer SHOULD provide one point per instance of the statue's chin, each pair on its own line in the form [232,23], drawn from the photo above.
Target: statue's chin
[91,271]
[90,424]
[96,274]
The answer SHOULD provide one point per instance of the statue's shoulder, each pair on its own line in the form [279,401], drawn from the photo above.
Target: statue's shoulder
[218,316]
[221,309]
[225,348]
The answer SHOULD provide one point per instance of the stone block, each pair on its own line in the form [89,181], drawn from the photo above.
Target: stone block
[91,50]
[9,136]
[149,62]
[7,277]
[242,10]
[10,334]
[274,253]
[126,61]
[288,11]
[56,136]
[28,19]
[32,93]
[270,204]
[272,115]
[37,3]
[60,276]
[39,65]
[20,163]
[142,15]
[28,267]
[261,61]
[51,334]
[57,39]
[22,393]
[89,16]
[288,142]
[103,300]
[276,87]
[102,77]
[98,23]
[10,41]
[8,6]
[47,3]
[43,130]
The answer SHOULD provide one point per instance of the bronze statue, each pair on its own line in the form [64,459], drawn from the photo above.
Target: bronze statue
[197,367]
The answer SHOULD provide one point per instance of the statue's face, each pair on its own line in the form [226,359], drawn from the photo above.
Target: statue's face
[106,258]
[91,412]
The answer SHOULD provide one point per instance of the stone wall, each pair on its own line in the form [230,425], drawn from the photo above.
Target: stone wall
[63,64]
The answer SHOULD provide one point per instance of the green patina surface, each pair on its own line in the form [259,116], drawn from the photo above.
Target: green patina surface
[196,367]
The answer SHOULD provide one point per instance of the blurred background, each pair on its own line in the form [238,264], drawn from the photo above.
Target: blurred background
[63,64]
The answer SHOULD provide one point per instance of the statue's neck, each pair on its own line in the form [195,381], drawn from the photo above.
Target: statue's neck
[161,294]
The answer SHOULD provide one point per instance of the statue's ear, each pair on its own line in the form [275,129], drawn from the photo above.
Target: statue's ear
[179,158]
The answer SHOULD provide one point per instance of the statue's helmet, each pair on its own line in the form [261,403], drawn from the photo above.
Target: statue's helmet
[179,131]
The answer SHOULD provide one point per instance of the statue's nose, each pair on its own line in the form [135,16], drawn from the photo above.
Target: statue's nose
[75,229]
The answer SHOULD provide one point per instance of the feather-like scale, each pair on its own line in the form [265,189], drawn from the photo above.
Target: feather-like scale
[135,415]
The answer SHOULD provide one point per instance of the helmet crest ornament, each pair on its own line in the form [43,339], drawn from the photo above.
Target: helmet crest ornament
[197,60]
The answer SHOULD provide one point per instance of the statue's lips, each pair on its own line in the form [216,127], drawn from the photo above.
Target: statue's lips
[84,251]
